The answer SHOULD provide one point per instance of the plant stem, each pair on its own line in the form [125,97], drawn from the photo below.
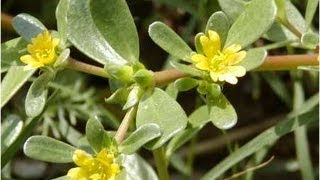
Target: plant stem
[123,128]
[161,163]
[87,68]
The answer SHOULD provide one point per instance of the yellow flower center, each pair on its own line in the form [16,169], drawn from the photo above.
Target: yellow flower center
[222,65]
[41,51]
[101,167]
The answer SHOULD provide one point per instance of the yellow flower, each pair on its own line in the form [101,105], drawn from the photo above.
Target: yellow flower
[41,51]
[221,64]
[100,167]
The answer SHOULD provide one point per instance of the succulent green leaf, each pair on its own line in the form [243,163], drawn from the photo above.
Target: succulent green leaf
[310,40]
[185,84]
[278,32]
[295,18]
[119,97]
[168,40]
[133,97]
[95,134]
[222,113]
[95,42]
[139,137]
[180,139]
[187,69]
[219,22]
[252,23]
[48,149]
[200,116]
[172,91]
[62,20]
[233,8]
[254,58]
[11,51]
[62,59]
[136,168]
[310,11]
[37,95]
[10,130]
[197,43]
[13,81]
[27,26]
[161,109]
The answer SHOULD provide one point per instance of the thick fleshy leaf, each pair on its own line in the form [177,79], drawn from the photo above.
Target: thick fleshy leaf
[268,137]
[27,26]
[11,51]
[310,40]
[161,109]
[10,152]
[139,137]
[278,32]
[136,168]
[294,17]
[219,22]
[187,69]
[133,97]
[110,34]
[168,40]
[13,81]
[10,130]
[200,116]
[252,23]
[232,8]
[180,139]
[48,149]
[37,95]
[197,43]
[185,84]
[310,11]
[222,113]
[254,58]
[62,20]
[95,134]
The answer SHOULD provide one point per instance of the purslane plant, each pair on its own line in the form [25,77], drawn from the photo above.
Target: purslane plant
[224,53]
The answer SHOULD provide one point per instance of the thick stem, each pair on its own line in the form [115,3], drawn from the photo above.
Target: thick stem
[161,163]
[87,68]
[123,128]
[6,22]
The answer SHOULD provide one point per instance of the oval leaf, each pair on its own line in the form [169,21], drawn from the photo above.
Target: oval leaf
[219,22]
[13,81]
[136,168]
[10,130]
[27,26]
[62,20]
[161,109]
[222,113]
[254,58]
[168,40]
[185,84]
[139,137]
[200,116]
[95,43]
[48,149]
[232,8]
[252,23]
[37,95]
[95,134]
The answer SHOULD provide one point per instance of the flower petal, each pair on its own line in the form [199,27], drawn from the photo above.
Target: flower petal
[230,78]
[237,71]
[81,158]
[238,57]
[210,45]
[203,65]
[30,61]
[214,76]
[55,42]
[232,49]
[198,57]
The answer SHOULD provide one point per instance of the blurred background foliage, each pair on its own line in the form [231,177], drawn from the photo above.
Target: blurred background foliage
[261,98]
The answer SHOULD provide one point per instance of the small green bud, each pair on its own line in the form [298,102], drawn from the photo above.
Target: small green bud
[202,88]
[144,78]
[185,84]
[214,90]
[123,73]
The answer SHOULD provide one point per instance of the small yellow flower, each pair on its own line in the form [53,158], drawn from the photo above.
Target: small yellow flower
[41,51]
[101,167]
[221,64]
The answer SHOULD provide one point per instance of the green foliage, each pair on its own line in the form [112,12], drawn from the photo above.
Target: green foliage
[161,109]
[139,137]
[10,130]
[219,22]
[27,26]
[254,58]
[168,40]
[48,149]
[256,19]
